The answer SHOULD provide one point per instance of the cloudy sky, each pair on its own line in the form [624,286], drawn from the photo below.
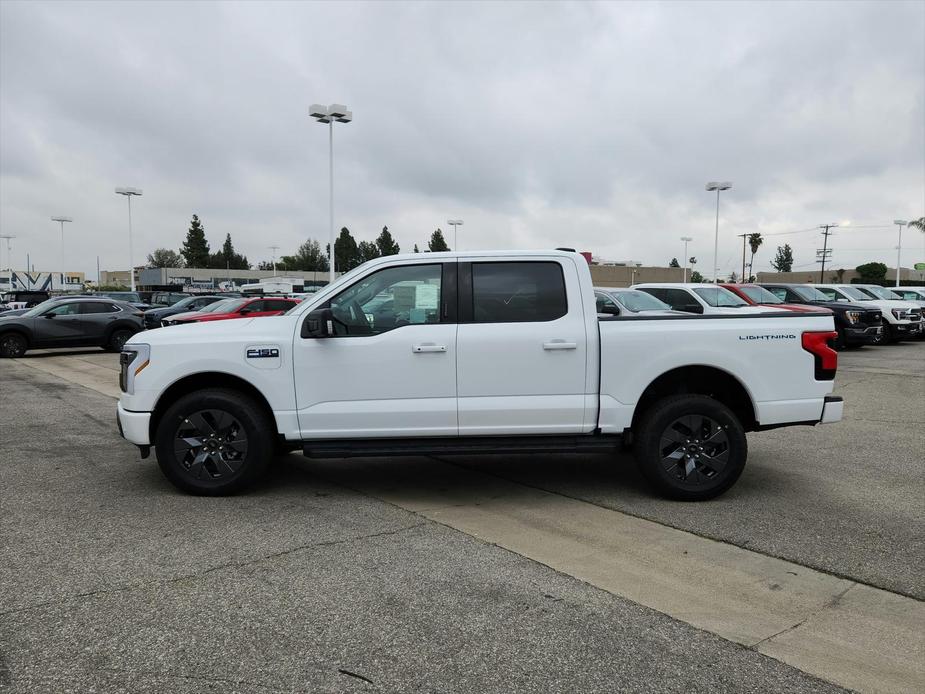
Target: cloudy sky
[540,124]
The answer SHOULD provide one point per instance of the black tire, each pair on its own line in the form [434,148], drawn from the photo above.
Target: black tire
[888,337]
[230,458]
[690,447]
[117,339]
[13,345]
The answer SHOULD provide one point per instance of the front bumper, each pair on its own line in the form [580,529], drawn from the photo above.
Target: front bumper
[134,426]
[863,336]
[832,409]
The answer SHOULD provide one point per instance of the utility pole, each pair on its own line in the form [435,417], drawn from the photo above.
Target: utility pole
[274,249]
[744,236]
[825,247]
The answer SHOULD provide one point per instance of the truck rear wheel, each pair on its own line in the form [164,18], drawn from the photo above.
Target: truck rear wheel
[691,447]
[214,442]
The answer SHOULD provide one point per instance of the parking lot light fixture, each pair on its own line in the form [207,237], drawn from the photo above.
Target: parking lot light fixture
[128,193]
[455,223]
[62,220]
[899,247]
[717,186]
[328,115]
[686,239]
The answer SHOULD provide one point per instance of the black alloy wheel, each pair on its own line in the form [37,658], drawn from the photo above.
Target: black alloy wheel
[13,345]
[214,441]
[690,447]
[117,340]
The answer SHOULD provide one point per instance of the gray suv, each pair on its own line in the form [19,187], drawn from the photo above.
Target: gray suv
[75,322]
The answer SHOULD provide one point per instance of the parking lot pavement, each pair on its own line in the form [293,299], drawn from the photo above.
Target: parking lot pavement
[112,581]
[843,498]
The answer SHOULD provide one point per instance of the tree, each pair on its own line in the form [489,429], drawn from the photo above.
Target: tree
[437,242]
[696,276]
[346,252]
[416,249]
[733,278]
[754,243]
[783,261]
[674,263]
[872,273]
[195,249]
[228,258]
[918,224]
[164,257]
[308,258]
[386,243]
[367,250]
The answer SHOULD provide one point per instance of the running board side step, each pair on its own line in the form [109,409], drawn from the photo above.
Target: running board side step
[460,445]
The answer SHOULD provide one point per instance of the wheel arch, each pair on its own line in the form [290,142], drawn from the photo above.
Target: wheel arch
[703,380]
[200,381]
[19,330]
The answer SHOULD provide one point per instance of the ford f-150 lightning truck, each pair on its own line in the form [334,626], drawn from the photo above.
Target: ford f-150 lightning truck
[497,351]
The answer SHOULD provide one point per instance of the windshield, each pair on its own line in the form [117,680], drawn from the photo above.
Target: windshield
[760,295]
[879,292]
[719,297]
[856,294]
[810,294]
[223,306]
[636,301]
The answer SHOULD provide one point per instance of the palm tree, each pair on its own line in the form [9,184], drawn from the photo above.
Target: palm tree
[754,241]
[918,224]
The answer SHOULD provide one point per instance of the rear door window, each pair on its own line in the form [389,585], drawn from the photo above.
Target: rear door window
[518,292]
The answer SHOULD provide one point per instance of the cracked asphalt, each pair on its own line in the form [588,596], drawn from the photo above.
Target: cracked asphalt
[111,581]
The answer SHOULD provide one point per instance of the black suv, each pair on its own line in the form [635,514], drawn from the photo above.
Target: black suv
[71,322]
[855,325]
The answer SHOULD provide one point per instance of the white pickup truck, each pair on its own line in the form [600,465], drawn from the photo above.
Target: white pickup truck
[472,352]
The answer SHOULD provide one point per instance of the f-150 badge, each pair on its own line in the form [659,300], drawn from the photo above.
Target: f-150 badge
[263,353]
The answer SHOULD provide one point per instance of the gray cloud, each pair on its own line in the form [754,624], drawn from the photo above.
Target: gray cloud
[592,125]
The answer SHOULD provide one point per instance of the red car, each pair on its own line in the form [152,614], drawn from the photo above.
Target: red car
[759,296]
[235,308]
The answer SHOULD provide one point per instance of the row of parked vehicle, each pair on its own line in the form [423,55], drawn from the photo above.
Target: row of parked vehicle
[864,313]
[108,319]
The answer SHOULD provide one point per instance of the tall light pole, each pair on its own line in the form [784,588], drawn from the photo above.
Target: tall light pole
[899,246]
[455,223]
[62,220]
[328,115]
[274,249]
[685,239]
[717,186]
[128,193]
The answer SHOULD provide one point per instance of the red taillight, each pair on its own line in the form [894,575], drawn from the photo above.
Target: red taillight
[817,344]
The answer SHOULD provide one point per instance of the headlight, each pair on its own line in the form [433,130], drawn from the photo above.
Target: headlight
[900,314]
[133,359]
[853,316]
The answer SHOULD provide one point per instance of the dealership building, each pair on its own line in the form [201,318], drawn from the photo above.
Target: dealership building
[208,280]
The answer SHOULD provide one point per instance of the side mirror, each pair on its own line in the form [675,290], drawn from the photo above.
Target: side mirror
[48,315]
[319,323]
[611,310]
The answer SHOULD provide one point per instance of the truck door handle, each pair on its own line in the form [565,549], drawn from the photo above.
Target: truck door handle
[428,347]
[559,344]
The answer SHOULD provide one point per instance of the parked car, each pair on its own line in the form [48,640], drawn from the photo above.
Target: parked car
[188,304]
[759,296]
[70,322]
[162,299]
[478,352]
[621,301]
[22,298]
[234,308]
[856,325]
[709,299]
[133,298]
[901,319]
[914,294]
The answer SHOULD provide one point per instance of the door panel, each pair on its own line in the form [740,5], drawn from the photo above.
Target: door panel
[525,375]
[390,368]
[66,328]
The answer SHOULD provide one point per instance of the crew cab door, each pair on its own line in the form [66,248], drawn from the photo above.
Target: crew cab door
[522,347]
[389,370]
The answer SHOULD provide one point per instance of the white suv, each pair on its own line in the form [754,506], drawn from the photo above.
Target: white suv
[901,319]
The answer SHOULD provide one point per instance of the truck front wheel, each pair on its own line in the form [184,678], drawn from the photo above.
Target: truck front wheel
[214,442]
[691,447]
